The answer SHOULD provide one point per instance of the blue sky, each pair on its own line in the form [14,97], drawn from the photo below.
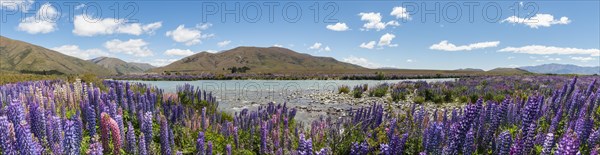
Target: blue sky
[372,34]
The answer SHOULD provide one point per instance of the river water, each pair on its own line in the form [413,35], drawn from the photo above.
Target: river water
[235,95]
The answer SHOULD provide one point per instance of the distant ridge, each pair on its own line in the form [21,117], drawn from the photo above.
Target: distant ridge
[258,60]
[554,68]
[121,67]
[470,69]
[19,56]
[501,70]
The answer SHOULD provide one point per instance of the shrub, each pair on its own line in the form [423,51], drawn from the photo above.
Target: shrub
[343,89]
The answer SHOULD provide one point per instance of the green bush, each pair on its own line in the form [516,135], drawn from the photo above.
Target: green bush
[419,100]
[343,89]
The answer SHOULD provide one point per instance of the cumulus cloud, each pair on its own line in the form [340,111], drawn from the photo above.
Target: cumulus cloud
[22,5]
[75,51]
[400,13]
[85,25]
[277,45]
[374,21]
[445,46]
[223,43]
[319,46]
[410,60]
[545,50]
[189,36]
[583,59]
[361,62]
[44,21]
[369,45]
[162,62]
[136,47]
[539,20]
[179,52]
[338,27]
[386,40]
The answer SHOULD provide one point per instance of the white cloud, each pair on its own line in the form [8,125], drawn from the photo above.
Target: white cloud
[544,50]
[539,20]
[162,62]
[85,25]
[44,21]
[510,58]
[554,59]
[361,62]
[203,26]
[179,52]
[374,21]
[75,51]
[410,60]
[211,51]
[400,13]
[386,40]
[188,36]
[583,59]
[22,5]
[80,6]
[223,43]
[445,46]
[338,27]
[317,45]
[150,28]
[369,45]
[136,47]
[277,45]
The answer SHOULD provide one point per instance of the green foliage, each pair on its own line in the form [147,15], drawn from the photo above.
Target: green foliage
[419,100]
[343,89]
[379,91]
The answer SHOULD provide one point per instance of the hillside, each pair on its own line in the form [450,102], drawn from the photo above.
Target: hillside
[507,71]
[19,56]
[119,66]
[562,69]
[258,60]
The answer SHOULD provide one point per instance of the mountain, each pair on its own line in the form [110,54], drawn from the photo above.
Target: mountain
[143,66]
[507,71]
[119,66]
[554,68]
[258,60]
[19,56]
[470,70]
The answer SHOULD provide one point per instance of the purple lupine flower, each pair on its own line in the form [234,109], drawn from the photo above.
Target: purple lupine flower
[57,143]
[434,138]
[594,138]
[200,143]
[164,137]
[147,129]
[529,140]
[131,147]
[469,146]
[228,149]
[95,147]
[15,112]
[548,144]
[209,148]
[504,143]
[142,145]
[359,148]
[583,128]
[304,145]
[323,151]
[7,136]
[91,120]
[385,149]
[38,120]
[263,138]
[568,145]
[71,140]
[25,143]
